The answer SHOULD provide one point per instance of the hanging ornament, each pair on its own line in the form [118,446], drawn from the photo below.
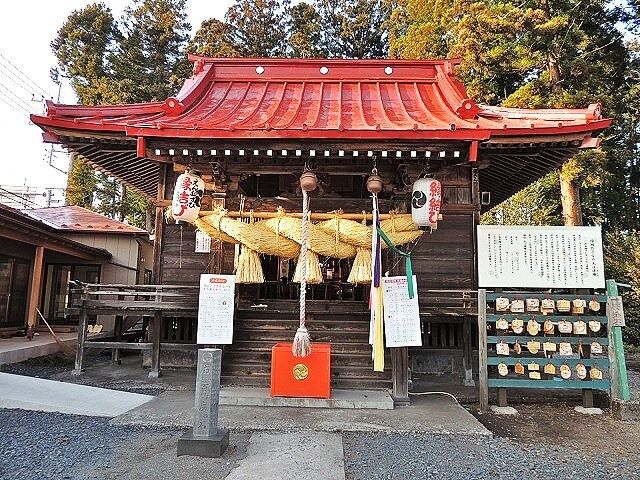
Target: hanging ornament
[374,182]
[301,346]
[426,202]
[187,197]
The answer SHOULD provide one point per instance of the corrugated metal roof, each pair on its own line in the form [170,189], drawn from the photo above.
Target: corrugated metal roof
[72,218]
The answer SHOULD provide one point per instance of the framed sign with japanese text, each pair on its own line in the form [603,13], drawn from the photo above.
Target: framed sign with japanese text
[540,257]
[401,313]
[215,309]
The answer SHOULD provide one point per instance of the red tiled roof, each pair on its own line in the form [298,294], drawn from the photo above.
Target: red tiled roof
[78,219]
[297,98]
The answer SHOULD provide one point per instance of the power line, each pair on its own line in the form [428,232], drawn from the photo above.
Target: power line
[15,79]
[16,107]
[20,198]
[25,75]
[15,97]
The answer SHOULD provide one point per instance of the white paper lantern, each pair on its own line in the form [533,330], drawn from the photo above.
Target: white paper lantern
[187,197]
[426,202]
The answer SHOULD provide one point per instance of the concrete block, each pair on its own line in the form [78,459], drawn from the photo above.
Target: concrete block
[503,410]
[212,446]
[588,411]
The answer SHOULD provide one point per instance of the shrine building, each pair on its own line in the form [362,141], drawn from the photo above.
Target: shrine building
[251,127]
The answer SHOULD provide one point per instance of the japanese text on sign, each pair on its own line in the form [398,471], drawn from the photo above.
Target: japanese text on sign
[540,257]
[215,309]
[401,313]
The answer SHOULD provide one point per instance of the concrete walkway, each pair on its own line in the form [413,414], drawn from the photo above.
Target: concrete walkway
[432,414]
[19,349]
[29,393]
[299,455]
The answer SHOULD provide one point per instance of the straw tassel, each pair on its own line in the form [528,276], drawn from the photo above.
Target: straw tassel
[302,342]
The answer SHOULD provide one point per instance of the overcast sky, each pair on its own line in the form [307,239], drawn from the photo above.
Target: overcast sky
[28,28]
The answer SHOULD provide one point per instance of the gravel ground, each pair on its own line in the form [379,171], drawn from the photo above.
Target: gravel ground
[43,446]
[40,446]
[379,456]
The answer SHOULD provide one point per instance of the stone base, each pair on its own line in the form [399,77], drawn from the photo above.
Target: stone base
[626,410]
[588,410]
[210,447]
[503,410]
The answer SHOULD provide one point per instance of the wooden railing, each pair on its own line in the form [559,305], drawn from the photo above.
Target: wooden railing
[146,302]
[169,312]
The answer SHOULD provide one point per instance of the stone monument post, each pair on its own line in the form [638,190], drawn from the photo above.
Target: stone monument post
[206,439]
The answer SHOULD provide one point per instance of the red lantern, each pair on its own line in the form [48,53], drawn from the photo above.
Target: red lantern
[426,202]
[187,197]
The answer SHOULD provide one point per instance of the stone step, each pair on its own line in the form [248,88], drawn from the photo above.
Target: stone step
[262,380]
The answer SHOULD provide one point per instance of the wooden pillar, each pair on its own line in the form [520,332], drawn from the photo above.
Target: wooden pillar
[400,375]
[117,333]
[482,351]
[467,358]
[82,337]
[35,288]
[156,323]
[159,224]
[156,331]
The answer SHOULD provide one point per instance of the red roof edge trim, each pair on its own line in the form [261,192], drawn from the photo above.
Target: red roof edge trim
[194,87]
[59,109]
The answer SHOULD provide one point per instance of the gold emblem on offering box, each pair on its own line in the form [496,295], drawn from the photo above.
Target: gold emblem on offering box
[580,328]
[595,326]
[564,326]
[502,304]
[595,373]
[547,306]
[578,306]
[517,306]
[581,371]
[533,305]
[517,325]
[300,371]
[565,371]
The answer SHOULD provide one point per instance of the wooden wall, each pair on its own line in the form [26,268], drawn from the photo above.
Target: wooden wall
[443,259]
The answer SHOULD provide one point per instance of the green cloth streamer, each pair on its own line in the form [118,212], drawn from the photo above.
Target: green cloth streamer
[407,260]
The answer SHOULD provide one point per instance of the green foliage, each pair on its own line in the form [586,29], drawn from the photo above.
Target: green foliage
[213,40]
[305,32]
[622,263]
[139,59]
[81,183]
[257,28]
[82,48]
[318,28]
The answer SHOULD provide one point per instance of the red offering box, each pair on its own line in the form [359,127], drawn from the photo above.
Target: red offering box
[308,376]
